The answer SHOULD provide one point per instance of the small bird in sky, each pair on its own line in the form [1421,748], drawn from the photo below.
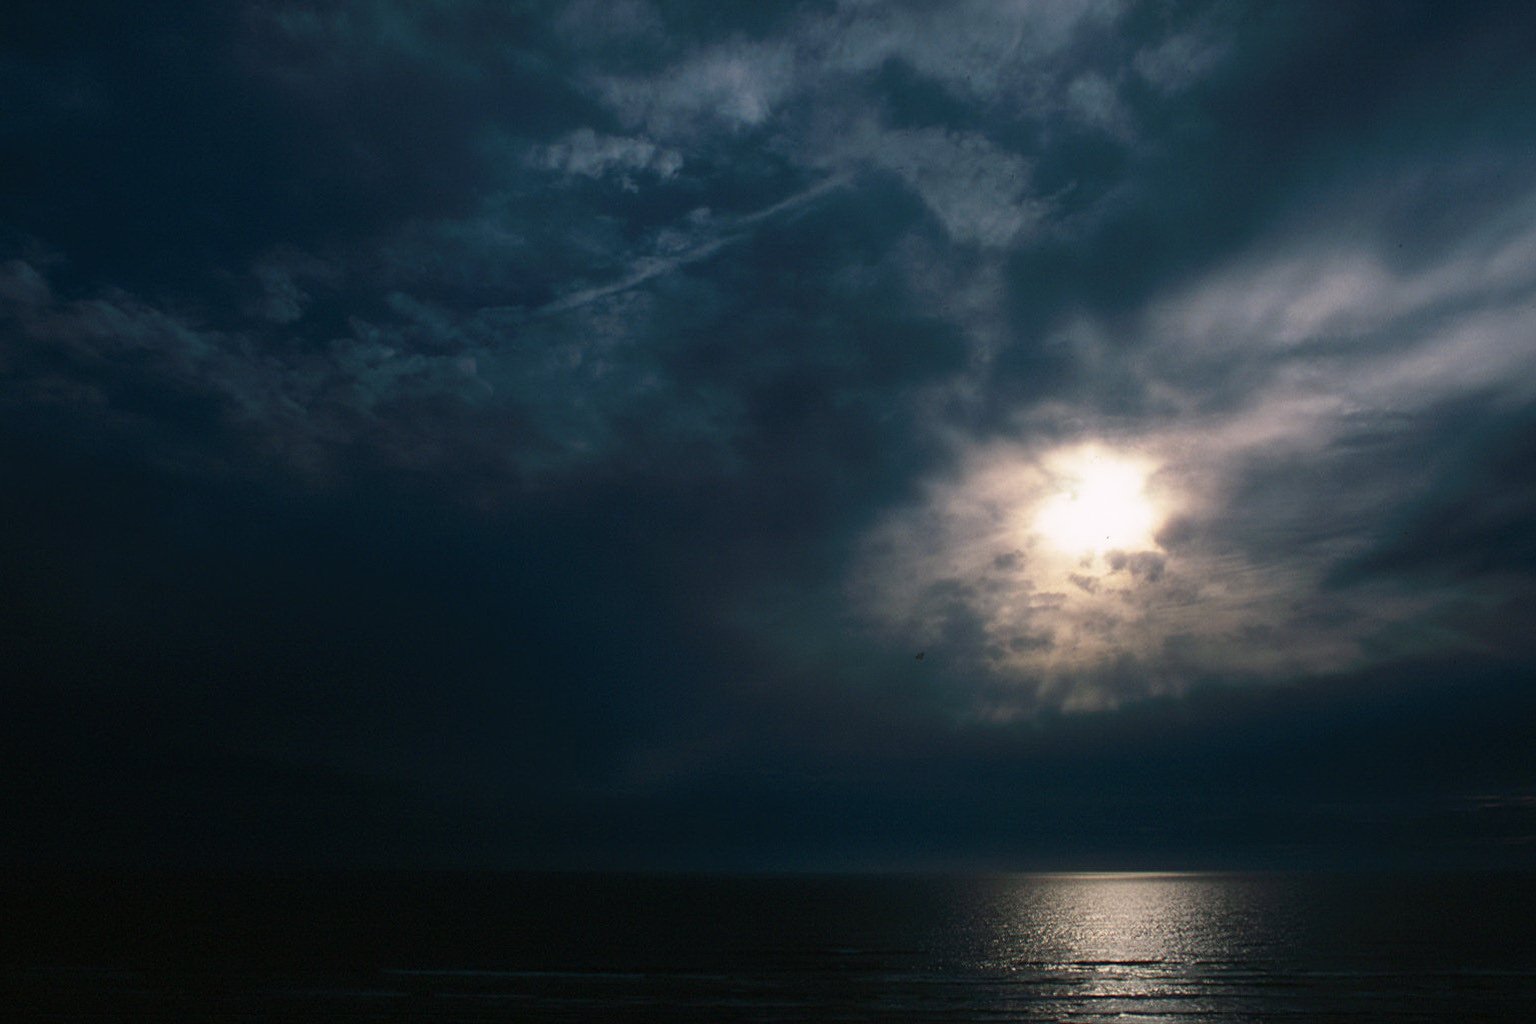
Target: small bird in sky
[920,655]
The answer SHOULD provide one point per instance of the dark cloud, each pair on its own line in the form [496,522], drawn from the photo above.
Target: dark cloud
[545,434]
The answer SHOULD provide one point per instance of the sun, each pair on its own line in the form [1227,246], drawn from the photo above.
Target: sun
[1102,504]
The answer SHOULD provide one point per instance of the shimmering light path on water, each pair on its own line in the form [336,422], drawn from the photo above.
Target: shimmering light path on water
[607,947]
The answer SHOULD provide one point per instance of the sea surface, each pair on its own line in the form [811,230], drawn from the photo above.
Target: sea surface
[573,947]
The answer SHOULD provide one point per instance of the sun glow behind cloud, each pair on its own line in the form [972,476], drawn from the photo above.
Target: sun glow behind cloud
[1050,556]
[1103,505]
[1046,579]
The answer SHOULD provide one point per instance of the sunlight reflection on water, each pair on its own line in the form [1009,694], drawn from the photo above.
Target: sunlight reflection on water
[1177,947]
[1118,942]
[1110,919]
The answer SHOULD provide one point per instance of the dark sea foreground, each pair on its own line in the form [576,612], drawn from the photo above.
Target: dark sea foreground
[396,947]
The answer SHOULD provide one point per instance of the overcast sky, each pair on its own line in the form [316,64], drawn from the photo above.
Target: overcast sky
[548,434]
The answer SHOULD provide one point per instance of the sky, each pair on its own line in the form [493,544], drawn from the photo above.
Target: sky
[841,435]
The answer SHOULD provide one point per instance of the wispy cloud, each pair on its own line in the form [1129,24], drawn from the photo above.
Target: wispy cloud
[719,234]
[585,152]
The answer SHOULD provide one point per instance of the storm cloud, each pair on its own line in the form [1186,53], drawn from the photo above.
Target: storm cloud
[553,430]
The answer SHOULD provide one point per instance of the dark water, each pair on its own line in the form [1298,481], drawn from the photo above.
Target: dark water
[621,948]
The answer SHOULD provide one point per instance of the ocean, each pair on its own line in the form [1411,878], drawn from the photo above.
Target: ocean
[608,947]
